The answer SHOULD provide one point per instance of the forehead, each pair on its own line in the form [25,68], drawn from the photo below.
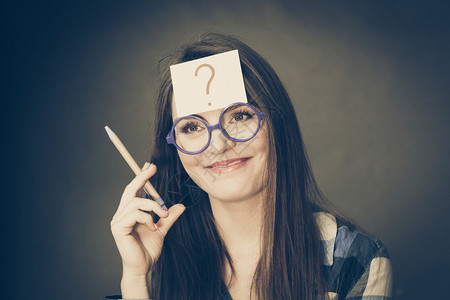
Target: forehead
[207,115]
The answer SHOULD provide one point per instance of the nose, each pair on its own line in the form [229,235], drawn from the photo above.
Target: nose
[219,143]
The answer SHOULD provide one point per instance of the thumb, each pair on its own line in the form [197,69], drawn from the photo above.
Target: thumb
[175,212]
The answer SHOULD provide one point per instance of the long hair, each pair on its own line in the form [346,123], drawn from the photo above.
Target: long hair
[193,258]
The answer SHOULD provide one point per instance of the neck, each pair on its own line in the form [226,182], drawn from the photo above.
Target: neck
[239,223]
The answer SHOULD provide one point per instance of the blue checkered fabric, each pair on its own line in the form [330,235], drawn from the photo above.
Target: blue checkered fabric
[356,266]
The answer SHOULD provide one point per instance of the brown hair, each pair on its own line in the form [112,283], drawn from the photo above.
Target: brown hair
[192,262]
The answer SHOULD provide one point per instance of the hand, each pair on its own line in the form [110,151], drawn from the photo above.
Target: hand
[137,237]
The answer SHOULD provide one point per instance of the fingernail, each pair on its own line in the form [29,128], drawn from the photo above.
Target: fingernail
[146,165]
[156,226]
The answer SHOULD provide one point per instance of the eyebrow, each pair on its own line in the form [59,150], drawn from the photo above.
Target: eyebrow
[198,116]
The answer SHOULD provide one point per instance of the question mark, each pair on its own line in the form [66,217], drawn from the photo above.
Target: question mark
[213,72]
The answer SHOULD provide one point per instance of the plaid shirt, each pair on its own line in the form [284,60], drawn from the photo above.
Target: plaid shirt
[356,266]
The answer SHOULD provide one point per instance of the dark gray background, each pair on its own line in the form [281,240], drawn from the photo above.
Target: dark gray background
[369,81]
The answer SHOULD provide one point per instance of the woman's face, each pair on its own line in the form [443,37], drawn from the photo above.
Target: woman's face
[228,170]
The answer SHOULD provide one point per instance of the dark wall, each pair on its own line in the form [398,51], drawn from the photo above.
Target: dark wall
[369,81]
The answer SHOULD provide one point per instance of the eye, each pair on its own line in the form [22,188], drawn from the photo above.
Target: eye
[241,116]
[191,127]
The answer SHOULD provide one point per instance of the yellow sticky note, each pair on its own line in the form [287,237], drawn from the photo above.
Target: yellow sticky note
[208,83]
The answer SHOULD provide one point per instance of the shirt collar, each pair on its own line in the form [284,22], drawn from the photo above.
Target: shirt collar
[328,230]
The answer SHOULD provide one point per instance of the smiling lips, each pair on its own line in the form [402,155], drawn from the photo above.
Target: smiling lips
[228,165]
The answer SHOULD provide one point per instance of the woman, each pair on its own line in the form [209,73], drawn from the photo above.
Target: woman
[256,226]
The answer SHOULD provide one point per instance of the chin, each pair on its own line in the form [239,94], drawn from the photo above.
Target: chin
[231,188]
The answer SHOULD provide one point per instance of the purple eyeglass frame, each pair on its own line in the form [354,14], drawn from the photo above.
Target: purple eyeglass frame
[170,137]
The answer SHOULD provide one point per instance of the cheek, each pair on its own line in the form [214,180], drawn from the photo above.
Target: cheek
[185,160]
[190,162]
[193,167]
[260,144]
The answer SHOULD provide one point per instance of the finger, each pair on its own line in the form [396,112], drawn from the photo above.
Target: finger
[146,166]
[127,191]
[125,225]
[138,182]
[146,236]
[144,204]
[175,212]
[131,219]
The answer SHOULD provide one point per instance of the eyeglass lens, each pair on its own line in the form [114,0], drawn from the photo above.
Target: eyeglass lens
[239,122]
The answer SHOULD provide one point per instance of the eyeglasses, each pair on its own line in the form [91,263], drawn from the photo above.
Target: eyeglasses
[239,122]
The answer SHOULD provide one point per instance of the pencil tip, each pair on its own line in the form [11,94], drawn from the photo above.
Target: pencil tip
[110,133]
